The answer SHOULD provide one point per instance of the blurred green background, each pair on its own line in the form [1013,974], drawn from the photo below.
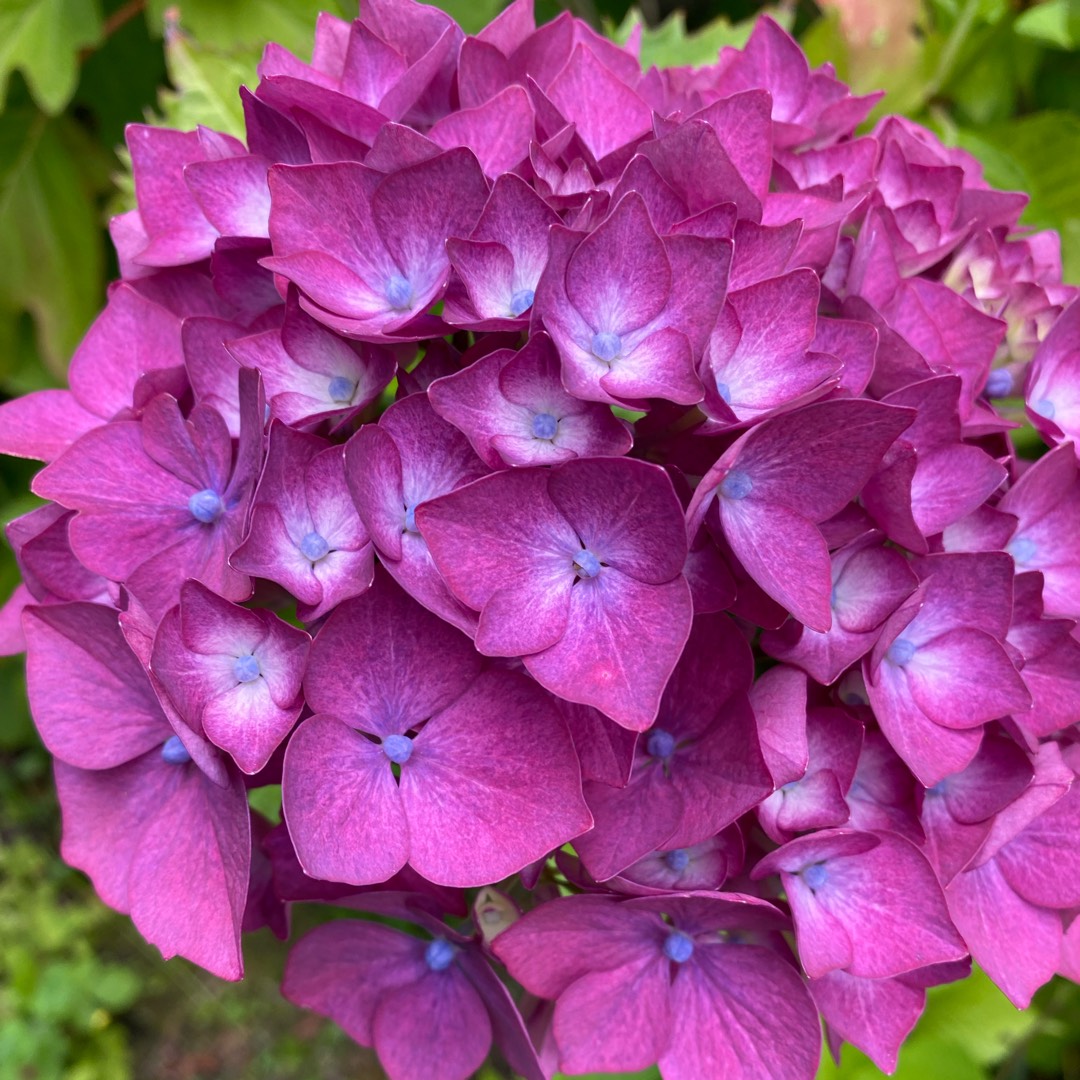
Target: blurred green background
[81,996]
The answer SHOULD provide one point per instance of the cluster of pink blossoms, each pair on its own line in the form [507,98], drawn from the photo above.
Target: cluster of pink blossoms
[680,648]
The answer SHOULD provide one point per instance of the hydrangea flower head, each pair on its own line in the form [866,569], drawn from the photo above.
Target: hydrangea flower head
[587,492]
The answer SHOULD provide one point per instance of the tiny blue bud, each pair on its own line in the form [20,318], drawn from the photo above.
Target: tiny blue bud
[174,752]
[544,425]
[410,520]
[661,743]
[678,947]
[901,651]
[399,292]
[1045,408]
[736,485]
[439,954]
[1000,383]
[314,547]
[677,860]
[206,506]
[521,301]
[246,668]
[606,346]
[398,748]
[586,564]
[815,876]
[724,391]
[341,389]
[1022,549]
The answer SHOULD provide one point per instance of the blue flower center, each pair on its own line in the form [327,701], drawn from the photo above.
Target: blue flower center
[586,564]
[1022,549]
[399,292]
[544,425]
[901,651]
[206,506]
[314,547]
[724,391]
[246,668]
[410,520]
[606,346]
[678,947]
[521,301]
[174,752]
[1044,408]
[341,389]
[661,743]
[736,485]
[815,876]
[439,954]
[398,748]
[677,860]
[1000,383]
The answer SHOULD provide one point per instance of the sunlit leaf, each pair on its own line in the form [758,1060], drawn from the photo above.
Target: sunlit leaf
[1048,23]
[671,45]
[42,39]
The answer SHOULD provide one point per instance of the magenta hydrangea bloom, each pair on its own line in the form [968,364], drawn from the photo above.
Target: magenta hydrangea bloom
[413,752]
[151,812]
[578,570]
[694,992]
[590,493]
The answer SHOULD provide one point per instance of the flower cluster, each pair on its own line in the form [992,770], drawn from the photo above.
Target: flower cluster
[588,493]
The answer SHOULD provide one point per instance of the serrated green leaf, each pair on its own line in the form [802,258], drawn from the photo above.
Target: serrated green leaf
[51,246]
[42,39]
[207,83]
[671,45]
[1048,24]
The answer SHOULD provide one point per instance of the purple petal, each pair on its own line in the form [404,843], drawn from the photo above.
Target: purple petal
[742,1012]
[885,896]
[1016,943]
[43,424]
[90,697]
[501,752]
[189,874]
[618,1020]
[436,1026]
[345,969]
[383,664]
[343,805]
[621,644]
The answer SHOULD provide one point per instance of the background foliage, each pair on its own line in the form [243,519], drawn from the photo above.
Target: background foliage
[81,996]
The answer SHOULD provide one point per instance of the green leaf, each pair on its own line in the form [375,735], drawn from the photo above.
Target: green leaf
[1048,24]
[1037,154]
[240,24]
[671,45]
[51,245]
[471,15]
[975,1015]
[267,801]
[207,82]
[43,39]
